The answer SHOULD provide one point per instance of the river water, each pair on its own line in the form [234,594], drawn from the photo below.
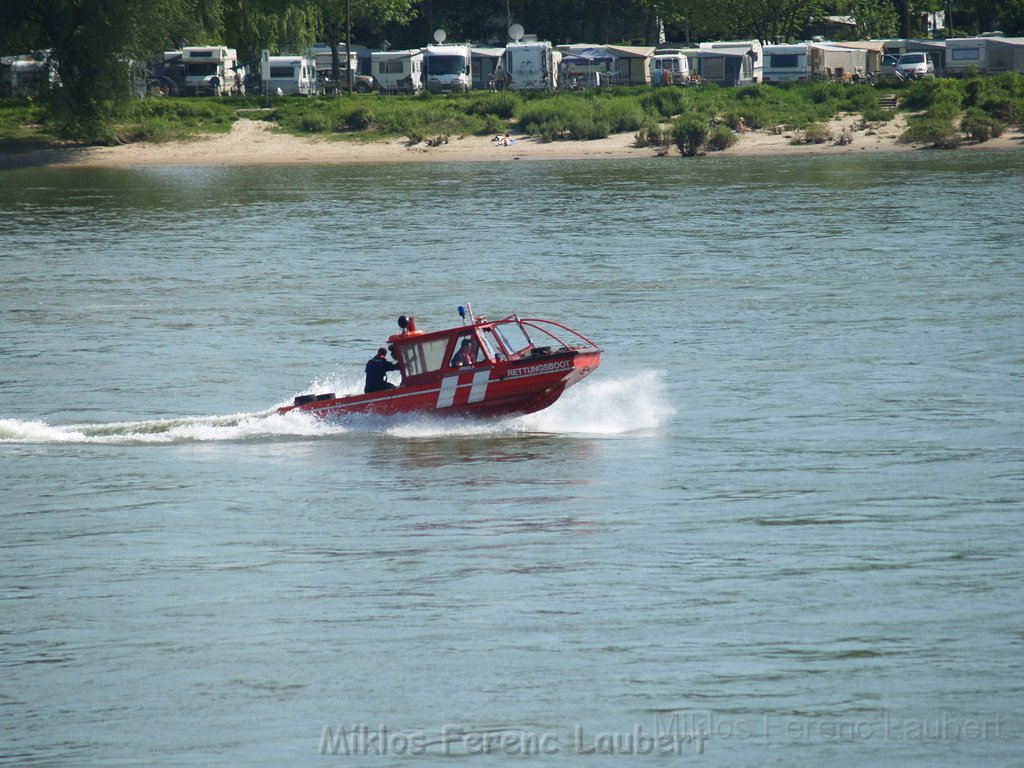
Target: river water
[781,524]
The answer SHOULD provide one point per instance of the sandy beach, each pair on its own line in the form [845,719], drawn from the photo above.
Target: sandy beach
[253,142]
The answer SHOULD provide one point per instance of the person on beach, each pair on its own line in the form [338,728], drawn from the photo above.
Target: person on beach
[377,368]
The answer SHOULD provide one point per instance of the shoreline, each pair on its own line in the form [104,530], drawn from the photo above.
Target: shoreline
[252,142]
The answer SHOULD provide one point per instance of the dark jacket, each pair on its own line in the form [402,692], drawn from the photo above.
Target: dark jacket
[376,370]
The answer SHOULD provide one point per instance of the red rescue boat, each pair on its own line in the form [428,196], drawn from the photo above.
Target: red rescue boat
[480,368]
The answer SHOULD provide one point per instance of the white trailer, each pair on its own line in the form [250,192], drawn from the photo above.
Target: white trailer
[288,74]
[786,63]
[670,67]
[209,70]
[398,71]
[529,66]
[448,68]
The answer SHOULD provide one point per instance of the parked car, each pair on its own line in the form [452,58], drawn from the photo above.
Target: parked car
[914,65]
[888,66]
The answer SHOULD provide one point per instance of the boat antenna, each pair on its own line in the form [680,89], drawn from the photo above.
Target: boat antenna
[464,310]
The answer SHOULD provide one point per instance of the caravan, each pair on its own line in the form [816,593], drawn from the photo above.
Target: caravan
[288,74]
[786,63]
[398,71]
[209,70]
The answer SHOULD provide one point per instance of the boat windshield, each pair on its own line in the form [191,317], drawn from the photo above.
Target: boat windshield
[512,336]
[446,65]
[491,344]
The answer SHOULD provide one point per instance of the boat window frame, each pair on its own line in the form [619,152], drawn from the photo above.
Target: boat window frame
[414,354]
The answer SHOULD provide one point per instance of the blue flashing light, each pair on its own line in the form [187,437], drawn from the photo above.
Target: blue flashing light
[462,312]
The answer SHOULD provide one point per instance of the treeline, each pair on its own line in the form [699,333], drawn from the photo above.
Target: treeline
[93,42]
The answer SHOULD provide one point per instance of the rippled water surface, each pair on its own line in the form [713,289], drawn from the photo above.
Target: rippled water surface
[782,523]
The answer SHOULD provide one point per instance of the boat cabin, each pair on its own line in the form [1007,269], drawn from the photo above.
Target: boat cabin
[423,357]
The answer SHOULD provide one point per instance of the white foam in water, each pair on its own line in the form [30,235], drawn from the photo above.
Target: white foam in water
[607,407]
[594,407]
[188,429]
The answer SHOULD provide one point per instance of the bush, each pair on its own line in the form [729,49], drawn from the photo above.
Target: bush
[980,126]
[938,132]
[621,115]
[690,134]
[935,94]
[877,115]
[722,137]
[503,104]
[816,133]
[652,136]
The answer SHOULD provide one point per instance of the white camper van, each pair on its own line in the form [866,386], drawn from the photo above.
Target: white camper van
[288,74]
[529,66]
[209,71]
[398,71]
[670,67]
[448,68]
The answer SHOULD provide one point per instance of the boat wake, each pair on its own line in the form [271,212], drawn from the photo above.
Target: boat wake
[605,407]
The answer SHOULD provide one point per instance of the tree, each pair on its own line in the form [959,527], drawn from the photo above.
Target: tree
[1012,17]
[875,18]
[96,47]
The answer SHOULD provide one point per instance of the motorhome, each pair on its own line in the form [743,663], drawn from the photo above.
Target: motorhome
[530,66]
[209,71]
[448,68]
[288,74]
[785,63]
[670,67]
[398,71]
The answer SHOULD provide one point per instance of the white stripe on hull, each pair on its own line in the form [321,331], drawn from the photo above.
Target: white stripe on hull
[446,396]
[479,388]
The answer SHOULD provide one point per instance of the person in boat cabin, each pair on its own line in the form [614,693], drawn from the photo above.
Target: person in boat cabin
[466,354]
[377,368]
